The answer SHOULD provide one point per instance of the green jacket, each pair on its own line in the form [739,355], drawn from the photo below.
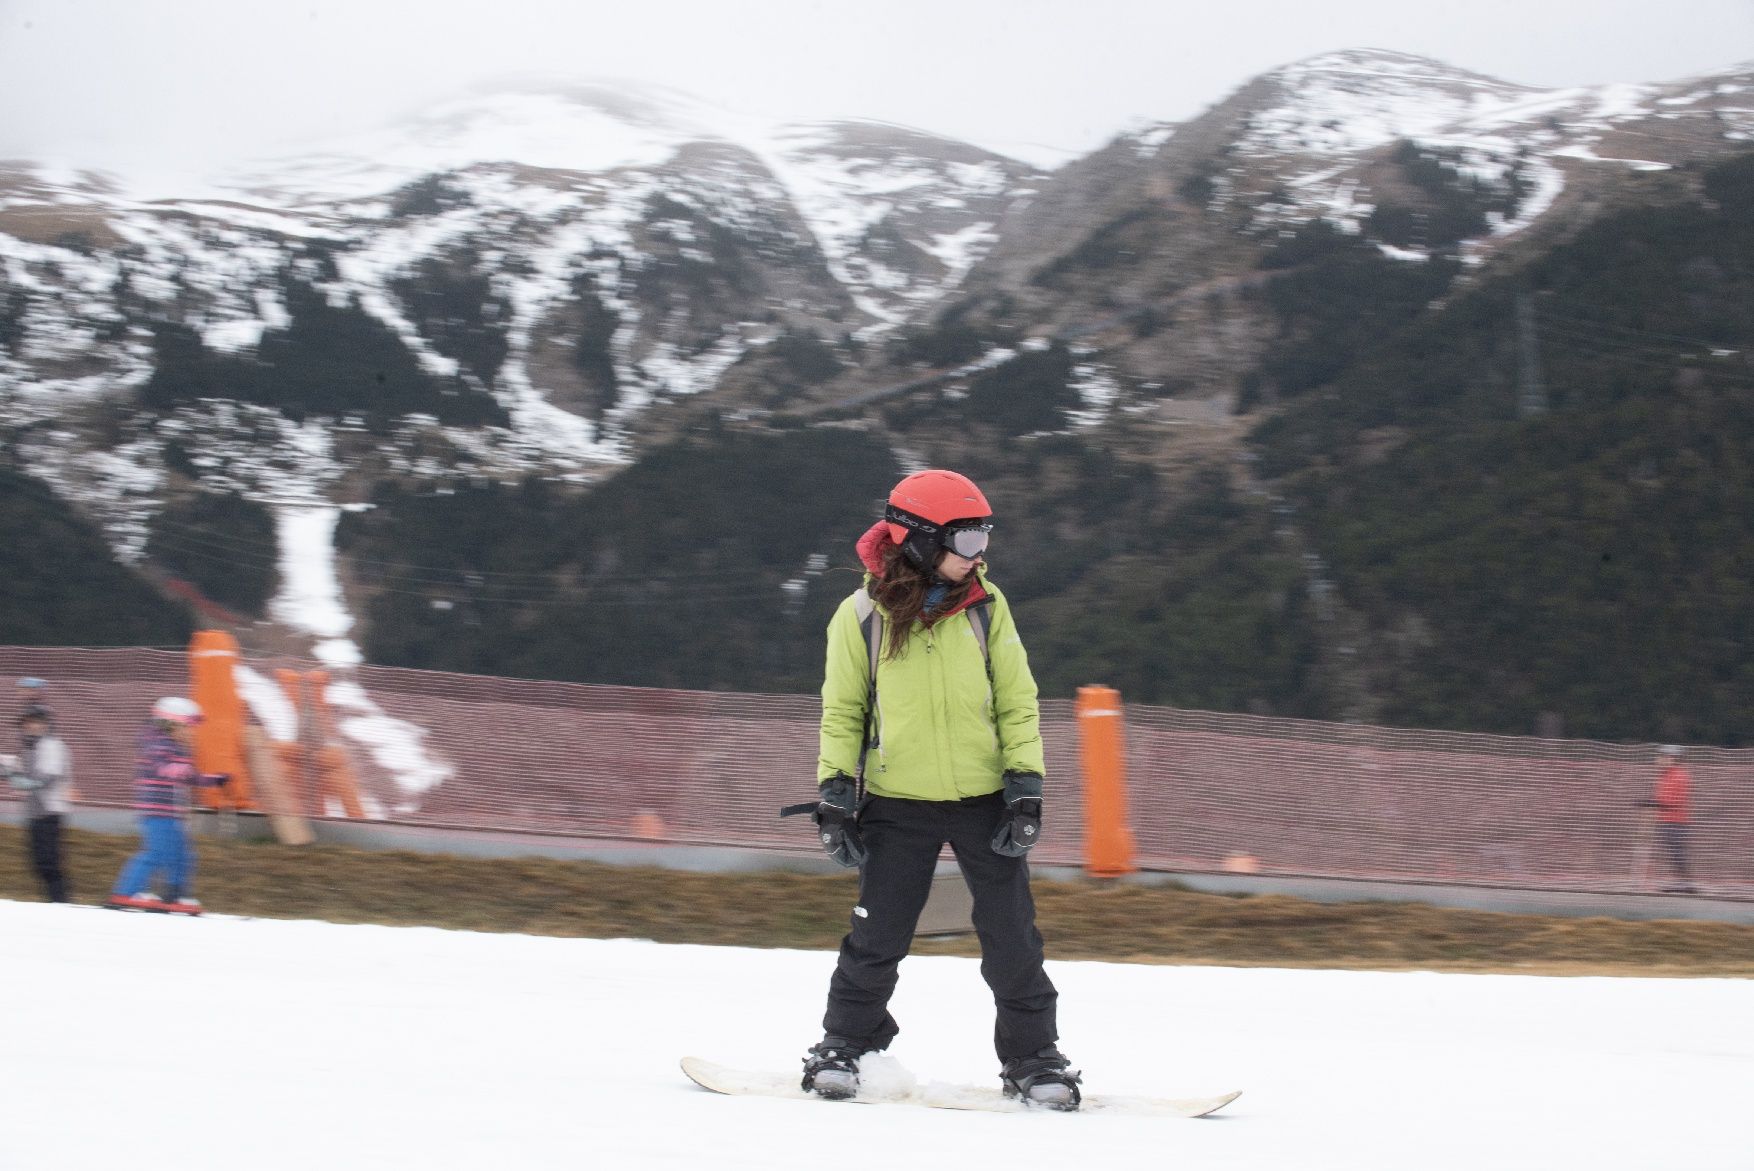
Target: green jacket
[943,731]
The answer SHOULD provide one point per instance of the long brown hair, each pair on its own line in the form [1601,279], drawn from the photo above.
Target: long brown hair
[901,591]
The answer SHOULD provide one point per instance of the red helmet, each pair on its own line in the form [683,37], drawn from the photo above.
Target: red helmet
[921,511]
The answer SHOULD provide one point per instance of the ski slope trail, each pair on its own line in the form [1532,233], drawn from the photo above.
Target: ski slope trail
[161,1043]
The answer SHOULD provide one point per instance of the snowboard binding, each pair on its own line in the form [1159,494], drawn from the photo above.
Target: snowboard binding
[831,1068]
[1044,1078]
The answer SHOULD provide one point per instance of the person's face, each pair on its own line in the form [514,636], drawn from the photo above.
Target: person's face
[183,734]
[32,729]
[953,568]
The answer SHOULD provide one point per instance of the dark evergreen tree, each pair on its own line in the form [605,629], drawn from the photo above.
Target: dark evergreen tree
[329,361]
[63,587]
[221,543]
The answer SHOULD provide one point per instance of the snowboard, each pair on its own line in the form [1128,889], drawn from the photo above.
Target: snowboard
[723,1079]
[156,906]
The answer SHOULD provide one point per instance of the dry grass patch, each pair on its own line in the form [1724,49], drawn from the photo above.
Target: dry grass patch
[1085,920]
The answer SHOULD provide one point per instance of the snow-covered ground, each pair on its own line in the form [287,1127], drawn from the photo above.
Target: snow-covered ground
[149,1042]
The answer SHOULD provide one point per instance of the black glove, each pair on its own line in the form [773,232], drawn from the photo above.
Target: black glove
[1021,828]
[837,821]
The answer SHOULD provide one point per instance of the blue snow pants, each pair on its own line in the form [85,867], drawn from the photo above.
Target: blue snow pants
[165,849]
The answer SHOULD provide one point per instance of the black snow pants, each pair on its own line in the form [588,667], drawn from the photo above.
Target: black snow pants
[45,856]
[903,839]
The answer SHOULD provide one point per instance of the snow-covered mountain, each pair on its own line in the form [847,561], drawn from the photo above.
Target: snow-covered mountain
[865,189]
[1308,139]
[1332,113]
[1380,144]
[570,256]
[518,277]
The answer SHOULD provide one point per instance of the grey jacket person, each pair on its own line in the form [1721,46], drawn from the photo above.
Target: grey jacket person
[44,775]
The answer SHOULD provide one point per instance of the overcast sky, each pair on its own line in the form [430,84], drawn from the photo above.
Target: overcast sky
[199,82]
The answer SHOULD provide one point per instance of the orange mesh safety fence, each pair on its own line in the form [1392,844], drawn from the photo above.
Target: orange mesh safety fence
[1205,791]
[100,699]
[1282,796]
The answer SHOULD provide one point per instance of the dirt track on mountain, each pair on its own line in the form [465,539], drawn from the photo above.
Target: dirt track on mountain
[1085,920]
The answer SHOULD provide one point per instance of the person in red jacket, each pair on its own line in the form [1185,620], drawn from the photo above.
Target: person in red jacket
[1673,803]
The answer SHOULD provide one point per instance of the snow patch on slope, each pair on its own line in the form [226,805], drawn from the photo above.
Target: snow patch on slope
[590,129]
[310,601]
[1337,109]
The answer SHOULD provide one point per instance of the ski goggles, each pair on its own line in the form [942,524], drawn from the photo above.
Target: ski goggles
[966,541]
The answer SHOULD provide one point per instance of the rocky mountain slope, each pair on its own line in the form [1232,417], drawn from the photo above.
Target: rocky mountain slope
[515,277]
[580,285]
[1419,158]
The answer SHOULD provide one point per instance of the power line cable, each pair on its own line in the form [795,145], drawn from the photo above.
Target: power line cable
[1620,350]
[624,591]
[172,533]
[1547,313]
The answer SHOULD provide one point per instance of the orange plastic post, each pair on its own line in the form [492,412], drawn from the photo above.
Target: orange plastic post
[1108,841]
[318,698]
[293,755]
[292,683]
[337,782]
[219,737]
[332,763]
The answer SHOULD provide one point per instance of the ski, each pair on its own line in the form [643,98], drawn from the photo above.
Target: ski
[724,1079]
[152,906]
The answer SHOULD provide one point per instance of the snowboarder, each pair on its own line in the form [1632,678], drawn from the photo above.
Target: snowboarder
[164,763]
[42,772]
[930,734]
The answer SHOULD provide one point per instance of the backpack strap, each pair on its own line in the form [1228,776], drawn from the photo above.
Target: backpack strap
[981,618]
[871,624]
